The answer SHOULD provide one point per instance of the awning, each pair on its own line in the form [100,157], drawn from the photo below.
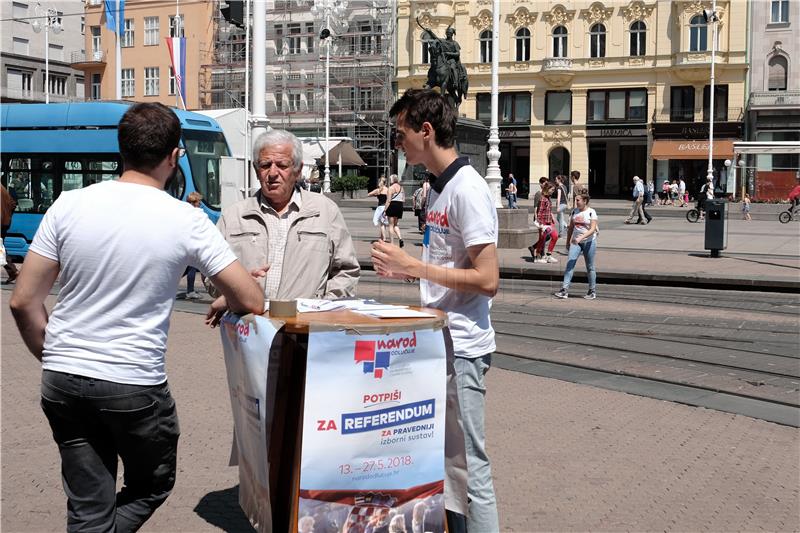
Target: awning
[691,150]
[348,154]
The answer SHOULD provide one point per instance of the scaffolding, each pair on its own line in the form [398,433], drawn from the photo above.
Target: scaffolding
[361,75]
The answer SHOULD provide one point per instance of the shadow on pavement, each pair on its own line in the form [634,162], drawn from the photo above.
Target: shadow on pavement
[221,508]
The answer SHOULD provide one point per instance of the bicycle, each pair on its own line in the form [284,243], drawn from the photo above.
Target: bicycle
[693,214]
[791,213]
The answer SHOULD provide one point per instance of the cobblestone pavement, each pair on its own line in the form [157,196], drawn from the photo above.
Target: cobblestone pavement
[566,457]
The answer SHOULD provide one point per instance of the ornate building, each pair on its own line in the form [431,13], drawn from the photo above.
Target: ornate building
[610,88]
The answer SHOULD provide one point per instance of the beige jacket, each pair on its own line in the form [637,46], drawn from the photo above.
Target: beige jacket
[319,261]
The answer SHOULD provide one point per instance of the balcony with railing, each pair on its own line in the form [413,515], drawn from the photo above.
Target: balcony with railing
[81,60]
[774,100]
[683,114]
[557,71]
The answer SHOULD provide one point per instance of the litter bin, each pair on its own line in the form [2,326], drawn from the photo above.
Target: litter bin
[715,226]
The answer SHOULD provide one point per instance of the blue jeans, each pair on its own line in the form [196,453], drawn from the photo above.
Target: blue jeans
[587,248]
[470,375]
[94,421]
[190,273]
[563,219]
[512,200]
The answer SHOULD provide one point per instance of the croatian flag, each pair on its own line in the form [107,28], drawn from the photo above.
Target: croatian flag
[177,56]
[115,15]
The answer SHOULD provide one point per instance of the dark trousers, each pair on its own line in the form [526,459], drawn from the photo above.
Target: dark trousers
[93,422]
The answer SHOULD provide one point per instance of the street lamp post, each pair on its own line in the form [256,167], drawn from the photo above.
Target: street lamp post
[493,177]
[51,22]
[330,13]
[711,17]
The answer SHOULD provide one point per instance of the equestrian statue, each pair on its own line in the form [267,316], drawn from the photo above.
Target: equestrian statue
[446,71]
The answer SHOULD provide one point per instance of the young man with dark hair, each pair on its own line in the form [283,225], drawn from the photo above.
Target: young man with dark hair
[120,248]
[458,272]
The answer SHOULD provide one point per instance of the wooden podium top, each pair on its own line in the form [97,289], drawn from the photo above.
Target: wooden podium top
[345,319]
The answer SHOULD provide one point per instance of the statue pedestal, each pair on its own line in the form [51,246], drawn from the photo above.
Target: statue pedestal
[514,231]
[471,136]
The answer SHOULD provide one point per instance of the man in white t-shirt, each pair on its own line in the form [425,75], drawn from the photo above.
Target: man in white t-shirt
[120,248]
[458,272]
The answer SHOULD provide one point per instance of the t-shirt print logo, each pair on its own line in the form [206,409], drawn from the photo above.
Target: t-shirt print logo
[437,222]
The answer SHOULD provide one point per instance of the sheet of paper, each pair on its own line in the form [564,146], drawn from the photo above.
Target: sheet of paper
[397,313]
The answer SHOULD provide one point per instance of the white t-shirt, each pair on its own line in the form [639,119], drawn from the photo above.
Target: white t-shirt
[122,249]
[682,187]
[462,215]
[582,221]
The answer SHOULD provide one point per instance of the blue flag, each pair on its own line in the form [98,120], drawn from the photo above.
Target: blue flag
[115,15]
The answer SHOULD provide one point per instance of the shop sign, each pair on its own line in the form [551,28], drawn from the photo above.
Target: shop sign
[617,132]
[514,134]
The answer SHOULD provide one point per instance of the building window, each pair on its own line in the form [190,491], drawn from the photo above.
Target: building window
[310,38]
[151,81]
[623,105]
[780,11]
[57,84]
[19,12]
[377,33]
[681,107]
[560,42]
[778,67]
[597,40]
[514,108]
[151,31]
[96,43]
[95,86]
[698,34]
[310,99]
[172,83]
[365,99]
[279,102]
[638,38]
[486,46]
[294,101]
[128,83]
[720,102]
[279,39]
[523,39]
[55,52]
[426,54]
[20,80]
[294,38]
[176,27]
[558,107]
[365,39]
[80,89]
[127,34]
[20,46]
[83,25]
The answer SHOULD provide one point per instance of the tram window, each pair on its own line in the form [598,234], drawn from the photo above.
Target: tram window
[204,149]
[19,183]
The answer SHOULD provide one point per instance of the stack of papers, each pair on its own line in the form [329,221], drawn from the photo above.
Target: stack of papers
[367,307]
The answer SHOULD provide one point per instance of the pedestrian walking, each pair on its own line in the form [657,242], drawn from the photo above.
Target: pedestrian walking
[458,273]
[574,187]
[379,218]
[665,192]
[682,194]
[421,203]
[548,232]
[394,208]
[194,199]
[561,203]
[582,236]
[7,204]
[746,207]
[638,202]
[511,192]
[119,248]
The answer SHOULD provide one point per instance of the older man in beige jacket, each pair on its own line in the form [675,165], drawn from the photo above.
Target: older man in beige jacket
[294,241]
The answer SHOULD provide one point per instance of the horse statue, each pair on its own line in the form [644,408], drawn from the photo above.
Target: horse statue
[446,70]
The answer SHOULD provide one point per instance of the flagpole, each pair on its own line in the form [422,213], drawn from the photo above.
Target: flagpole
[118,51]
[180,99]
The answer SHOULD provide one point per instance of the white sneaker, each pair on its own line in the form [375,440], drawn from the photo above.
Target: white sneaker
[550,259]
[192,296]
[540,259]
[591,295]
[561,294]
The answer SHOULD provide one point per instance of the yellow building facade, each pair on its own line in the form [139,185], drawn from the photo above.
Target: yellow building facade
[146,70]
[612,89]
